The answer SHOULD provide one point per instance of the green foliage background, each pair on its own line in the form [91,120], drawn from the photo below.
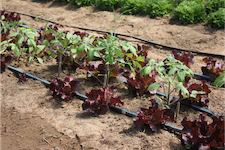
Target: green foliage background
[187,11]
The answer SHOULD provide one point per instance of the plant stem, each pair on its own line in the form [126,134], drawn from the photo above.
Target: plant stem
[106,79]
[60,64]
[168,98]
[178,110]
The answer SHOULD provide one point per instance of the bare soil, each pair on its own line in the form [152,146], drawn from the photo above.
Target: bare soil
[32,119]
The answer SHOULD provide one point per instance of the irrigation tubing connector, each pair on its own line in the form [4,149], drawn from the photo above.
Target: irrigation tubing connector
[169,47]
[83,97]
[196,74]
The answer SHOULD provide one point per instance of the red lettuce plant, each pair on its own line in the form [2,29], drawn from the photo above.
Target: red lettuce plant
[9,17]
[212,68]
[203,135]
[187,58]
[139,85]
[153,117]
[99,100]
[23,78]
[196,97]
[4,60]
[97,71]
[64,89]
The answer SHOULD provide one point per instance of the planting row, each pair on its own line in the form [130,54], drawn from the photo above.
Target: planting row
[119,59]
[187,11]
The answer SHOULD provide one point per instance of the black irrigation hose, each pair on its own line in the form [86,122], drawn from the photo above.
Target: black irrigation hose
[83,97]
[169,47]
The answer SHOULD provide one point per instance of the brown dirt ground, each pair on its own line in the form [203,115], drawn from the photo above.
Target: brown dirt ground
[32,119]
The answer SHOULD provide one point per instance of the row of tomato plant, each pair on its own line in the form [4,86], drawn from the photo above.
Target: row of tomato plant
[80,50]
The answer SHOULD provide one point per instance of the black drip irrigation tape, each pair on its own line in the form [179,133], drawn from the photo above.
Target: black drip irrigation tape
[83,97]
[165,46]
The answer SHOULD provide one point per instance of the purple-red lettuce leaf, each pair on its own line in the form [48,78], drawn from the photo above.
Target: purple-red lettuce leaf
[153,117]
[81,34]
[139,85]
[200,134]
[23,78]
[200,99]
[97,71]
[99,100]
[186,57]
[212,68]
[64,89]
[5,59]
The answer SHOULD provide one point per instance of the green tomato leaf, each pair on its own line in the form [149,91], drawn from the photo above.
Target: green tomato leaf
[135,63]
[194,93]
[31,59]
[181,76]
[158,100]
[120,60]
[140,58]
[151,62]
[96,54]
[90,54]
[40,60]
[220,80]
[40,48]
[20,41]
[16,50]
[98,48]
[13,34]
[119,52]
[31,34]
[129,55]
[69,35]
[74,50]
[133,50]
[148,70]
[173,71]
[153,86]
[184,91]
[31,42]
[80,49]
[131,68]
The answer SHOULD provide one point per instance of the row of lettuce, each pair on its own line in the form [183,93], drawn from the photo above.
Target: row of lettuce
[187,11]
[79,50]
